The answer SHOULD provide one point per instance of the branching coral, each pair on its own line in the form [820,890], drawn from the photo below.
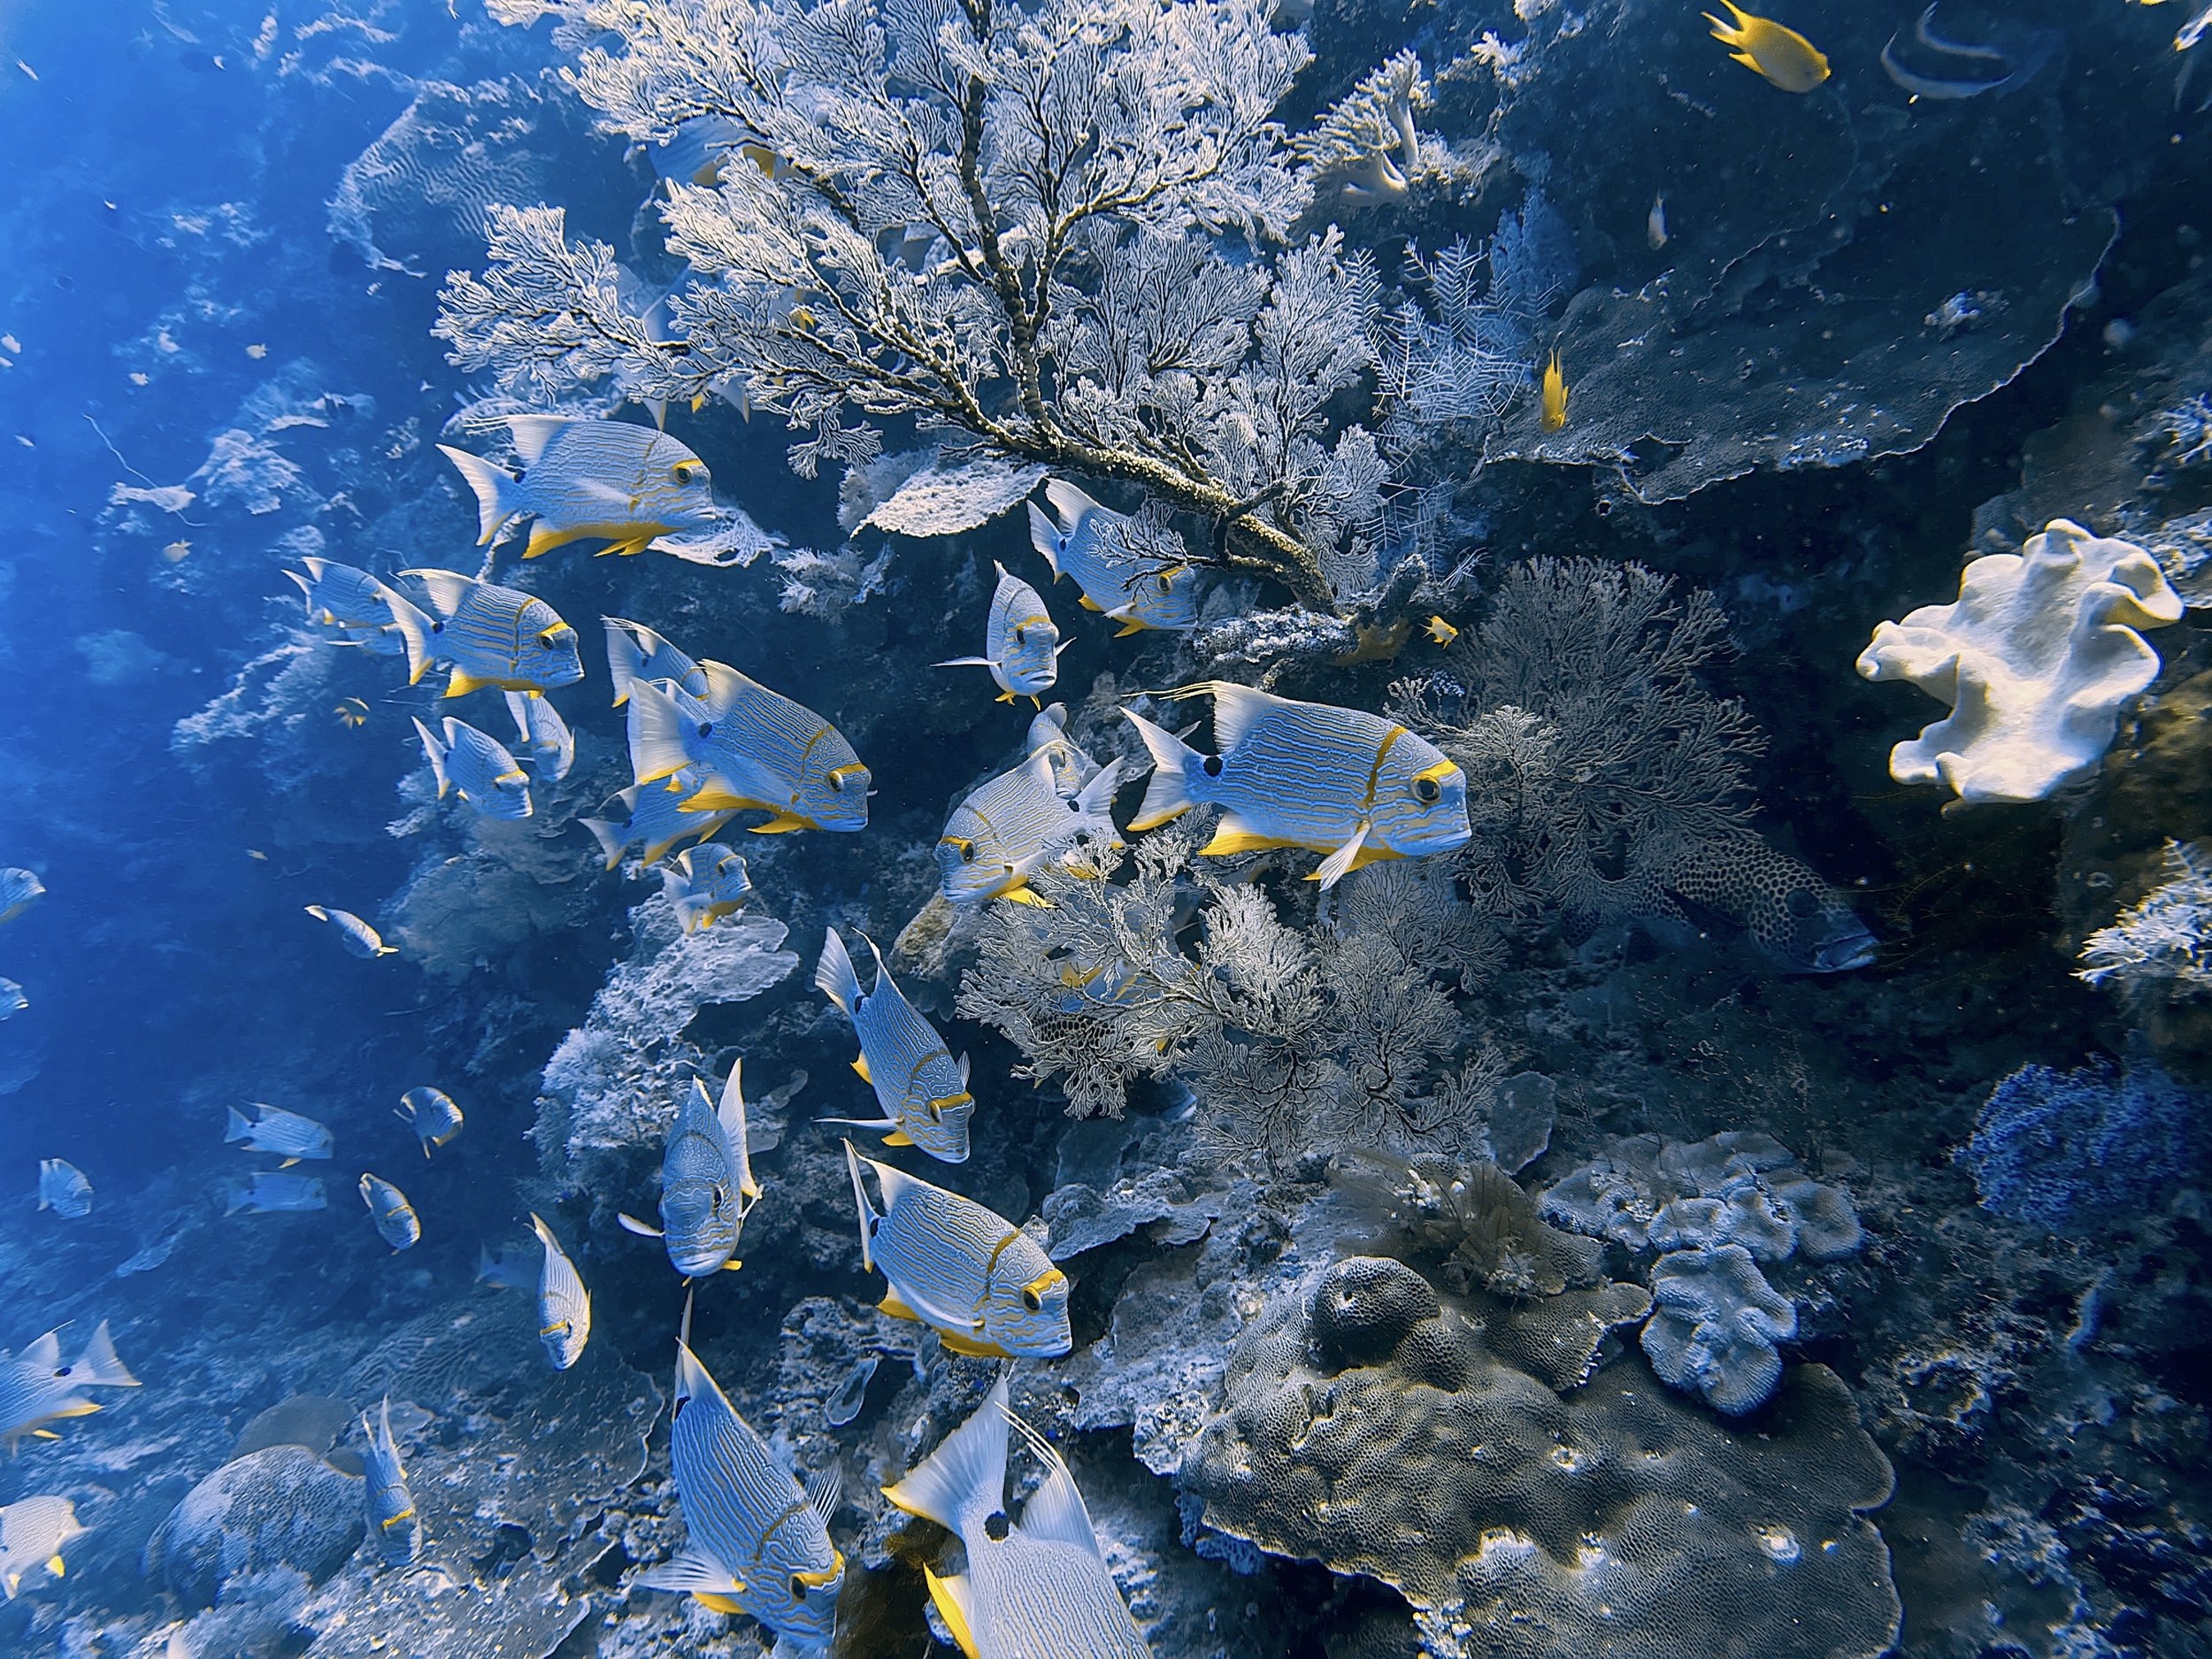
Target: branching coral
[2164,942]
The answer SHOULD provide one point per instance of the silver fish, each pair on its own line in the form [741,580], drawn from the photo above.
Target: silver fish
[1340,781]
[489,635]
[476,767]
[62,1188]
[1021,647]
[272,1192]
[654,820]
[564,1304]
[13,1001]
[1114,562]
[353,605]
[275,1130]
[37,1388]
[396,1222]
[18,888]
[544,736]
[432,1113]
[985,1286]
[704,884]
[1031,1587]
[759,750]
[32,1533]
[923,1090]
[609,480]
[394,1526]
[755,1541]
[515,1269]
[1012,826]
[635,652]
[355,934]
[707,1185]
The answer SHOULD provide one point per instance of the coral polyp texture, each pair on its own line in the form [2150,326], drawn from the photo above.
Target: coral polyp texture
[2037,655]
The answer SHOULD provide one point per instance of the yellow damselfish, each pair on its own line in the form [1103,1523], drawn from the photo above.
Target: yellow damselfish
[1554,390]
[1777,54]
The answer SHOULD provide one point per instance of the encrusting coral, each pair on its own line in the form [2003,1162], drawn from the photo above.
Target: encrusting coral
[2036,654]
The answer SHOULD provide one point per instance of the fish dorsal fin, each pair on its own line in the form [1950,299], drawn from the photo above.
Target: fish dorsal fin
[446,588]
[964,1481]
[883,974]
[533,434]
[1237,709]
[825,1492]
[897,1183]
[730,1115]
[1056,1509]
[725,687]
[45,1354]
[1069,502]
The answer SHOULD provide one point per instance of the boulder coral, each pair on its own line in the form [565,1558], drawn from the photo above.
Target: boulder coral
[2037,655]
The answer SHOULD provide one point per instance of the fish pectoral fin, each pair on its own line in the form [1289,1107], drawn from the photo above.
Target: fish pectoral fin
[956,1604]
[1344,860]
[630,1224]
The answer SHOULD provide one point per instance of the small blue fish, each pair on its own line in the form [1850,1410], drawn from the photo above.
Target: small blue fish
[514,1269]
[755,1542]
[432,1113]
[1135,578]
[544,736]
[37,1388]
[1031,1587]
[1021,647]
[564,1304]
[609,480]
[354,934]
[396,1222]
[13,1001]
[489,635]
[19,889]
[270,1192]
[62,1188]
[32,1533]
[353,605]
[655,820]
[286,1134]
[476,767]
[393,1521]
[760,751]
[707,1185]
[704,884]
[635,652]
[1016,823]
[983,1284]
[1340,781]
[923,1090]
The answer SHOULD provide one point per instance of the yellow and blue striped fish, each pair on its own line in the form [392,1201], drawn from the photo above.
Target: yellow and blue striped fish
[36,1388]
[564,1304]
[1021,647]
[755,1542]
[396,1222]
[760,751]
[923,1090]
[19,889]
[1110,556]
[394,1526]
[476,766]
[32,1533]
[703,884]
[489,635]
[1012,826]
[1031,1587]
[1340,781]
[352,604]
[985,1286]
[359,938]
[609,480]
[654,820]
[1072,768]
[544,736]
[273,1129]
[636,652]
[707,1185]
[432,1115]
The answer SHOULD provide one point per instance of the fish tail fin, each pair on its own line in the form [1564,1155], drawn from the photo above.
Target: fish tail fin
[867,1210]
[626,657]
[1167,794]
[657,734]
[1044,535]
[609,839]
[964,1478]
[414,632]
[240,1127]
[494,490]
[834,977]
[486,1269]
[434,751]
[98,1363]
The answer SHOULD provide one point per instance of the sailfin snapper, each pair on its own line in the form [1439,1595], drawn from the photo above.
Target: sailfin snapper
[393,1521]
[564,1304]
[544,736]
[34,1531]
[487,635]
[62,1188]
[1104,551]
[396,1222]
[432,1113]
[655,820]
[273,1129]
[1778,55]
[707,1185]
[1015,825]
[985,1286]
[37,1388]
[1021,647]
[754,1539]
[636,652]
[760,751]
[273,1193]
[922,1089]
[1048,735]
[1555,395]
[355,934]
[476,766]
[1038,1586]
[351,604]
[610,480]
[705,883]
[1338,781]
[20,889]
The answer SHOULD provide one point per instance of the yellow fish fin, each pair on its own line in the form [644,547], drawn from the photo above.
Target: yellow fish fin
[861,1066]
[544,538]
[783,823]
[720,1603]
[1022,893]
[971,1348]
[288,1164]
[1129,625]
[956,1605]
[1003,697]
[1086,602]
[712,800]
[898,1138]
[897,1309]
[462,684]
[731,1267]
[1233,837]
[44,1434]
[54,1566]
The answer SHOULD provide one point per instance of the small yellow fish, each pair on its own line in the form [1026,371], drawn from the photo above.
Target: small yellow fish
[1442,632]
[352,712]
[1555,395]
[1778,55]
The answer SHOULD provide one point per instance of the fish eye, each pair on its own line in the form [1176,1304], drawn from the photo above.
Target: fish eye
[1021,636]
[721,1195]
[1212,765]
[1032,1301]
[549,638]
[798,1588]
[1427,791]
[1801,903]
[1167,582]
[997,1526]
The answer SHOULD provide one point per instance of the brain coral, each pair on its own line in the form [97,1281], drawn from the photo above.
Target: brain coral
[1714,1324]
[2036,654]
[1524,1523]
